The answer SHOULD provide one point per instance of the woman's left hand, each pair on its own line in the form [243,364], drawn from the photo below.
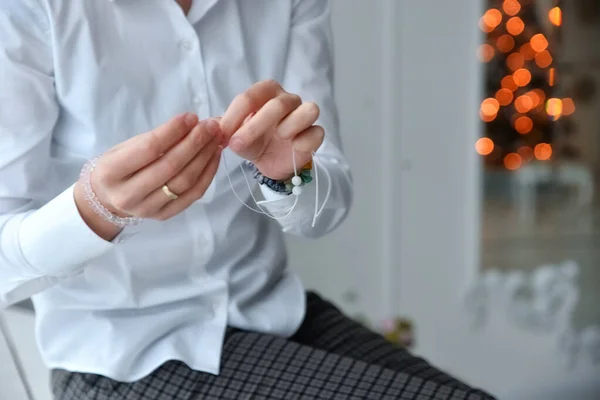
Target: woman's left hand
[265,122]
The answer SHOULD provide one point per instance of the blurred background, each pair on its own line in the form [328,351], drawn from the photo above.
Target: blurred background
[473,130]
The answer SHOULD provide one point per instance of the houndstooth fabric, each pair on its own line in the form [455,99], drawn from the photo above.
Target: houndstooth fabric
[331,357]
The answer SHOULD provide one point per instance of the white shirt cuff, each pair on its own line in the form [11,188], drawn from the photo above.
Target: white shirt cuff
[56,241]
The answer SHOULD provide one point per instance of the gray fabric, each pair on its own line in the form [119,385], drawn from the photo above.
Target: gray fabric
[331,357]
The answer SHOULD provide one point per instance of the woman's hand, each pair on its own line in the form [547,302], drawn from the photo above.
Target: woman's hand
[183,154]
[279,122]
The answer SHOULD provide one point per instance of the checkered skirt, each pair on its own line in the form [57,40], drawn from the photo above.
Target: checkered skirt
[330,357]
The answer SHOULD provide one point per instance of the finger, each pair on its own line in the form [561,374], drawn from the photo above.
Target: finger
[141,150]
[196,192]
[180,184]
[310,140]
[298,120]
[265,120]
[251,100]
[173,161]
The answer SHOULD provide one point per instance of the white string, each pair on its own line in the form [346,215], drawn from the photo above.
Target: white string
[289,210]
[320,210]
[260,210]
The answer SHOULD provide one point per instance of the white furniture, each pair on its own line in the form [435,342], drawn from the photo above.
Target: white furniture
[17,327]
[568,174]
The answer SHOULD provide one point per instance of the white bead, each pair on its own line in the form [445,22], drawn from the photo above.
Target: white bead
[297,190]
[296,181]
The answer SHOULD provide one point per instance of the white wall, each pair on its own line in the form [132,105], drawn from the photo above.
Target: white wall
[351,259]
[437,222]
[409,92]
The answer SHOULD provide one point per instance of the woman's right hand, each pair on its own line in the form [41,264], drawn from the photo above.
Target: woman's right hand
[183,154]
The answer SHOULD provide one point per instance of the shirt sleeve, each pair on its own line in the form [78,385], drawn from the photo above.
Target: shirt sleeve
[309,73]
[42,236]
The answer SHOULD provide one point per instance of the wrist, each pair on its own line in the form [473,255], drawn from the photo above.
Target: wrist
[95,222]
[292,184]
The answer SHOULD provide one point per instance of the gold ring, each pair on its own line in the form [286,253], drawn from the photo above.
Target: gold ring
[169,194]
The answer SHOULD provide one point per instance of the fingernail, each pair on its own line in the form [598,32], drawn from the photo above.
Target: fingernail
[190,119]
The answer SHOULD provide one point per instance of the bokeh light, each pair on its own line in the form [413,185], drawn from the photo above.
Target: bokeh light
[492,17]
[515,61]
[484,146]
[508,82]
[538,42]
[526,153]
[537,97]
[554,108]
[543,59]
[555,16]
[505,43]
[504,96]
[542,151]
[527,52]
[523,124]
[513,161]
[568,106]
[487,118]
[515,26]
[511,7]
[523,104]
[552,76]
[490,106]
[522,77]
[486,52]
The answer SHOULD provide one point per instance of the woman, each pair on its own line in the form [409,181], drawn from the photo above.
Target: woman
[196,301]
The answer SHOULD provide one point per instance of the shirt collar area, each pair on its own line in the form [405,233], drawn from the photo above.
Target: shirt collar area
[197,12]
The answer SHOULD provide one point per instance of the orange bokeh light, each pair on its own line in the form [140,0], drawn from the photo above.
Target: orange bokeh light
[537,97]
[505,43]
[492,17]
[508,82]
[522,77]
[504,96]
[523,125]
[490,106]
[487,118]
[515,61]
[527,52]
[523,104]
[513,161]
[511,7]
[484,146]
[484,27]
[526,153]
[568,106]
[542,151]
[538,42]
[515,26]
[486,52]
[552,76]
[540,95]
[554,108]
[543,59]
[555,16]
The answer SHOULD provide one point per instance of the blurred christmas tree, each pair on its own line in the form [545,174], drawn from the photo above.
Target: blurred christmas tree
[519,108]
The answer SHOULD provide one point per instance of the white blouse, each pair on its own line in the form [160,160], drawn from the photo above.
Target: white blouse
[78,77]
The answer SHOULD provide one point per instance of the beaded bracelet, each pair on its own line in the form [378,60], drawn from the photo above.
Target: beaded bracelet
[289,186]
[94,202]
